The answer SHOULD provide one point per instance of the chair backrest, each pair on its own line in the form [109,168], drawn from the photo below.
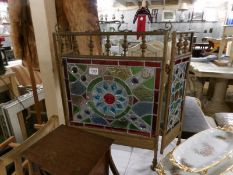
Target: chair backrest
[15,156]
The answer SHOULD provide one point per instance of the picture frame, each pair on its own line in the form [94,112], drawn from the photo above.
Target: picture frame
[197,16]
[168,16]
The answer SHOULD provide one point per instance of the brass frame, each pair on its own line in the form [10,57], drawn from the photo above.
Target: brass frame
[66,46]
[180,50]
[230,169]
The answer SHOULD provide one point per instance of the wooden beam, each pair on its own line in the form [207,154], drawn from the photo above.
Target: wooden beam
[135,2]
[121,2]
[171,2]
[44,21]
[149,1]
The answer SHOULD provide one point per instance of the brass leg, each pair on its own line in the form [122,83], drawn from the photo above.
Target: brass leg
[155,159]
[154,164]
[179,139]
[181,129]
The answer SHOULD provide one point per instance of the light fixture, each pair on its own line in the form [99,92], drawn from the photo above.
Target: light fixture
[183,6]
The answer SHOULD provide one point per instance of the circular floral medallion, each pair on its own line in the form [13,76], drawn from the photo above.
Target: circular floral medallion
[110,98]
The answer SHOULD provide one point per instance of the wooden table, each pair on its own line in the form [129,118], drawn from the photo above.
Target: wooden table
[221,76]
[70,151]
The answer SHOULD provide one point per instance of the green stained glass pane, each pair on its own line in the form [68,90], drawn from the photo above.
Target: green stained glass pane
[136,70]
[120,123]
[87,121]
[92,105]
[150,83]
[93,83]
[122,73]
[83,67]
[72,78]
[133,127]
[76,109]
[148,119]
[124,113]
[124,85]
[143,94]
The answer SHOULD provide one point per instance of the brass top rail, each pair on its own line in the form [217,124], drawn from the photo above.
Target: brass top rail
[110,33]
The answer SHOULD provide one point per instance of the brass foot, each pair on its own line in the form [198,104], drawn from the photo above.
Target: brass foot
[154,164]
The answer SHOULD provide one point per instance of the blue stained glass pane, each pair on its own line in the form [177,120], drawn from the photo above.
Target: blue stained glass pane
[105,85]
[118,92]
[114,87]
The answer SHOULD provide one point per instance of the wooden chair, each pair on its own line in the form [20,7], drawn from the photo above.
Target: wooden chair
[7,145]
[15,156]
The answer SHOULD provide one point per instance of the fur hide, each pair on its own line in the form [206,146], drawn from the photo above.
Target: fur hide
[72,15]
[24,46]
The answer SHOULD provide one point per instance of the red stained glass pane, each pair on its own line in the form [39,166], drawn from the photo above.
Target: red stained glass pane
[153,64]
[103,62]
[157,81]
[131,63]
[109,99]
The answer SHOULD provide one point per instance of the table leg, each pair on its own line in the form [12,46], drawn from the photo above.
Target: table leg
[210,91]
[217,103]
[199,84]
[113,166]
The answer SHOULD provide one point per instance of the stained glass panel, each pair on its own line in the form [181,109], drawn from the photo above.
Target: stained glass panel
[114,94]
[177,93]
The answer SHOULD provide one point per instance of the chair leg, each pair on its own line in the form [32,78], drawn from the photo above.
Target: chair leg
[113,166]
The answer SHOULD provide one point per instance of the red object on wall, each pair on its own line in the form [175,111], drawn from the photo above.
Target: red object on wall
[141,26]
[2,39]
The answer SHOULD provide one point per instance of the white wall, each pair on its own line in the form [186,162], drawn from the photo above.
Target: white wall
[215,17]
